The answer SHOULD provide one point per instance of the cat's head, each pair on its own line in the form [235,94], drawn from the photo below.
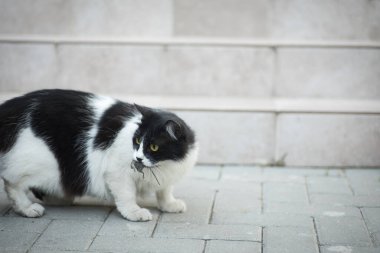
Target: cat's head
[161,136]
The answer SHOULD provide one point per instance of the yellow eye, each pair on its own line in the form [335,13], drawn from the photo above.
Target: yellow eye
[153,147]
[138,140]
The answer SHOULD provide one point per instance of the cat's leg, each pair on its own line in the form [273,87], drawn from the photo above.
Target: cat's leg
[167,202]
[123,190]
[21,203]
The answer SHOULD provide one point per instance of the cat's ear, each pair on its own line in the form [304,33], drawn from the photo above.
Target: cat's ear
[142,109]
[174,129]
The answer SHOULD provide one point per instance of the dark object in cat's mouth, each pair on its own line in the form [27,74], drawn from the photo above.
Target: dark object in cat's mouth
[140,166]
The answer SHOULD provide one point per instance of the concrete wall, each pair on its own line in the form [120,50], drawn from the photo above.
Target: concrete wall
[322,51]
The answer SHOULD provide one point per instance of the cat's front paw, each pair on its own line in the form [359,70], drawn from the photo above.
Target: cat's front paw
[140,214]
[33,211]
[176,206]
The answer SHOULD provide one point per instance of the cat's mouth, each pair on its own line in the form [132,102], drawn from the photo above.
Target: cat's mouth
[139,166]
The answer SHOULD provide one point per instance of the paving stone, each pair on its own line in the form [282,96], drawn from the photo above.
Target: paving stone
[199,188]
[289,240]
[211,231]
[229,202]
[69,235]
[117,243]
[336,173]
[216,246]
[372,218]
[14,242]
[116,224]
[242,173]
[350,231]
[257,174]
[23,225]
[198,211]
[312,210]
[364,181]
[206,172]
[328,185]
[276,171]
[270,219]
[345,200]
[348,249]
[251,190]
[284,192]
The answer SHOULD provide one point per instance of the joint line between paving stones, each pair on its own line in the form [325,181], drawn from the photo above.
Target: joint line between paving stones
[307,191]
[97,232]
[367,229]
[31,246]
[348,183]
[212,207]
[316,234]
[262,239]
[156,225]
[262,197]
[204,246]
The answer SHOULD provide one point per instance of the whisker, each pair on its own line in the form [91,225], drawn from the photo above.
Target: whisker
[155,176]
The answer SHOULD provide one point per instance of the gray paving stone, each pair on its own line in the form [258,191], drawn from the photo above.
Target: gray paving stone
[69,235]
[236,202]
[198,211]
[42,250]
[348,249]
[276,171]
[96,213]
[205,172]
[328,185]
[349,231]
[23,225]
[345,200]
[270,219]
[284,192]
[336,173]
[372,218]
[116,224]
[364,181]
[210,231]
[195,188]
[117,243]
[312,210]
[242,173]
[215,246]
[289,240]
[14,242]
[250,190]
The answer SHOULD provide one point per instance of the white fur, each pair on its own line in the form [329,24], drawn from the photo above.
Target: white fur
[30,163]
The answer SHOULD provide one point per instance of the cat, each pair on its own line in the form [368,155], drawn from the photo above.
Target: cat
[66,143]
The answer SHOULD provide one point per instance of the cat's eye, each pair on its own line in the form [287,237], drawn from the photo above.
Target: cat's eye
[153,147]
[138,140]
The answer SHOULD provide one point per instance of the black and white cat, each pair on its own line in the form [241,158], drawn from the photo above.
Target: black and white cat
[66,143]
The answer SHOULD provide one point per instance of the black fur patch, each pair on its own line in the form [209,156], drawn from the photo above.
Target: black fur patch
[62,118]
[13,115]
[111,122]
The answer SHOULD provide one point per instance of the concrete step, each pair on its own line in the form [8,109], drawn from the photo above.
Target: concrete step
[292,19]
[192,68]
[278,131]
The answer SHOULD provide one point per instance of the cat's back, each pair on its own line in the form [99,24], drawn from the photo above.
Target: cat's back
[47,112]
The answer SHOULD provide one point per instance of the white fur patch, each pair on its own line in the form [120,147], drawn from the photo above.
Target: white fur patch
[31,163]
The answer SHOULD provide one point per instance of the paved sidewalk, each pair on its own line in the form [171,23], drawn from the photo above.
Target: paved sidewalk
[230,209]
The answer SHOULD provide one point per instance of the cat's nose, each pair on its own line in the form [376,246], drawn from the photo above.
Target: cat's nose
[139,159]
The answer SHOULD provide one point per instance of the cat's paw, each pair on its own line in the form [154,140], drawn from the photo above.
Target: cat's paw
[33,211]
[141,214]
[176,206]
